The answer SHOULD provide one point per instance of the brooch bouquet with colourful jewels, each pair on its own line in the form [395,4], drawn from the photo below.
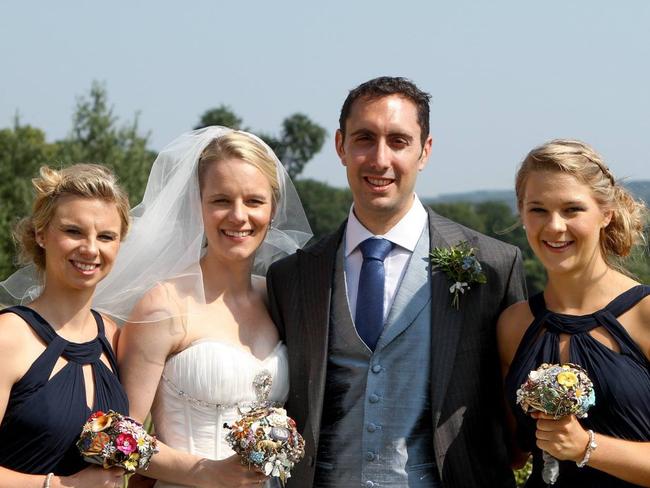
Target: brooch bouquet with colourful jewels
[112,439]
[460,265]
[264,436]
[556,390]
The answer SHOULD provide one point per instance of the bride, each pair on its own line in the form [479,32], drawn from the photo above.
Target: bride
[218,209]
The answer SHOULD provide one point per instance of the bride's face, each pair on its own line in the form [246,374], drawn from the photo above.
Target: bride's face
[237,207]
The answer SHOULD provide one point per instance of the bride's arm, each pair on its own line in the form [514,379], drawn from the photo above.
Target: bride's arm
[143,348]
[153,333]
[182,468]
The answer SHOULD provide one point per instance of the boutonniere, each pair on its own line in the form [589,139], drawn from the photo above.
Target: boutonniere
[460,265]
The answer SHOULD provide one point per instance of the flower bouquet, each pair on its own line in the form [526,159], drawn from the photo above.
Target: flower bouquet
[265,437]
[112,439]
[556,390]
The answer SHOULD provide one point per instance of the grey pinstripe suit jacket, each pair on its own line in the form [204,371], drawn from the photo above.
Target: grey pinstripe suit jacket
[466,393]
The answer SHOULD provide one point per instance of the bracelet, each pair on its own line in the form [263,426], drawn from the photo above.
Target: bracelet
[591,446]
[48,478]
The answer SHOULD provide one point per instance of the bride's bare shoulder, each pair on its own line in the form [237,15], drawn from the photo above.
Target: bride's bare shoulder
[160,302]
[159,317]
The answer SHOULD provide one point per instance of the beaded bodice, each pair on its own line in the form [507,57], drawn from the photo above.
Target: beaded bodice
[204,386]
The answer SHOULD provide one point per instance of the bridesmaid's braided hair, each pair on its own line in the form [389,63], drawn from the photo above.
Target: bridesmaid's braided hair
[583,163]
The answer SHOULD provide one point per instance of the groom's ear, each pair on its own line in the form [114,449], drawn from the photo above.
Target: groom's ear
[426,151]
[338,140]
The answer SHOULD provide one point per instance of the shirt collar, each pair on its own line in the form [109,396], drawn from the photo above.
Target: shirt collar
[403,233]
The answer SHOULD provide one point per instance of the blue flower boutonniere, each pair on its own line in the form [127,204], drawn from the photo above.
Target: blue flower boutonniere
[460,265]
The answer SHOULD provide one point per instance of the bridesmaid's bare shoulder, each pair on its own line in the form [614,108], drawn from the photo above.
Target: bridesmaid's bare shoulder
[511,327]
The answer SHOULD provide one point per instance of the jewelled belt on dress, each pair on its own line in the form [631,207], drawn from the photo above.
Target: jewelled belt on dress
[243,407]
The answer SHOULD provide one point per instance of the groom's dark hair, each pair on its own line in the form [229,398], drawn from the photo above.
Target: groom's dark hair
[383,87]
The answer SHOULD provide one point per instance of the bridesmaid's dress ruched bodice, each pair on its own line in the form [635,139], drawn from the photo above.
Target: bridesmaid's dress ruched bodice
[201,389]
[621,380]
[45,412]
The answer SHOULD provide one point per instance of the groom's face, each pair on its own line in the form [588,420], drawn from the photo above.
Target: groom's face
[383,153]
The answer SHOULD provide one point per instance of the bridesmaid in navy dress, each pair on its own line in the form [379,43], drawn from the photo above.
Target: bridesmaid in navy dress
[580,221]
[57,363]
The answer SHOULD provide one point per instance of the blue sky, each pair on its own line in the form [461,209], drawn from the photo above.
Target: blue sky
[505,76]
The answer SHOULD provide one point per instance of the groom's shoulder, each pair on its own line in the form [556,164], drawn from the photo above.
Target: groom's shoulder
[488,248]
[315,248]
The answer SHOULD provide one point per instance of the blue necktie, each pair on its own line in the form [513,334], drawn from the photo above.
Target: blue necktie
[369,318]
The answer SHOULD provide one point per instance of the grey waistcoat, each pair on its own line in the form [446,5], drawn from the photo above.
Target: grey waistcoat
[376,426]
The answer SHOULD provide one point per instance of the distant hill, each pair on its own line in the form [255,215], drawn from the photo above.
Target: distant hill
[640,189]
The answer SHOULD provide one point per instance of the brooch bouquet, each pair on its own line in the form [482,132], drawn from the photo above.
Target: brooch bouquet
[460,265]
[112,439]
[265,437]
[556,390]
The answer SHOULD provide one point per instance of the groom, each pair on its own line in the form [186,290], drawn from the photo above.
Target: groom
[391,385]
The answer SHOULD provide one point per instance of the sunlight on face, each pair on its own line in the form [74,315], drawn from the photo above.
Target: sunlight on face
[563,222]
[237,207]
[81,242]
[383,154]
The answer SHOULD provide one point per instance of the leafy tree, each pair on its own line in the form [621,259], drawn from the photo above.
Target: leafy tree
[299,141]
[638,263]
[222,115]
[96,138]
[22,151]
[325,206]
[496,219]
[461,212]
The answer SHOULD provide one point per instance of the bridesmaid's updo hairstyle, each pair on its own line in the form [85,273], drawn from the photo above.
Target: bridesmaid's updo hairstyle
[81,180]
[583,163]
[237,145]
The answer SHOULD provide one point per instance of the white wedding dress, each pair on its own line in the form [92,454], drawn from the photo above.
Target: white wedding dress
[200,390]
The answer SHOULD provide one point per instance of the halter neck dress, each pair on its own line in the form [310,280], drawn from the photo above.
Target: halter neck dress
[44,415]
[621,380]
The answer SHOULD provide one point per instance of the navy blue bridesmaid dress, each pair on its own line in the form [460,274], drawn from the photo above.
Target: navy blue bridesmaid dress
[621,381]
[44,415]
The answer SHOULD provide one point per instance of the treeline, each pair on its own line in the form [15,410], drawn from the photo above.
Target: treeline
[97,136]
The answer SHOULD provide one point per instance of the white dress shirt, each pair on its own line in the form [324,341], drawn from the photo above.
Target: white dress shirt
[405,235]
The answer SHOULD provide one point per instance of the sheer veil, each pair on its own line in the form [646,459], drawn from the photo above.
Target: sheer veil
[166,240]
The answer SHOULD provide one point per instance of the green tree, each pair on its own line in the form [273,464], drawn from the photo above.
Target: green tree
[22,151]
[325,206]
[222,115]
[496,219]
[638,263]
[461,212]
[299,141]
[96,138]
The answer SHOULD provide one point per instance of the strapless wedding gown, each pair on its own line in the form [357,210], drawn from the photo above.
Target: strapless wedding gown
[201,388]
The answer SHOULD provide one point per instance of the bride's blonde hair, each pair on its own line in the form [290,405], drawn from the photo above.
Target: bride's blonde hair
[238,145]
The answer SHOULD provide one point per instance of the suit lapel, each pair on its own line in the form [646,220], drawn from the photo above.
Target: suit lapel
[446,321]
[316,274]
